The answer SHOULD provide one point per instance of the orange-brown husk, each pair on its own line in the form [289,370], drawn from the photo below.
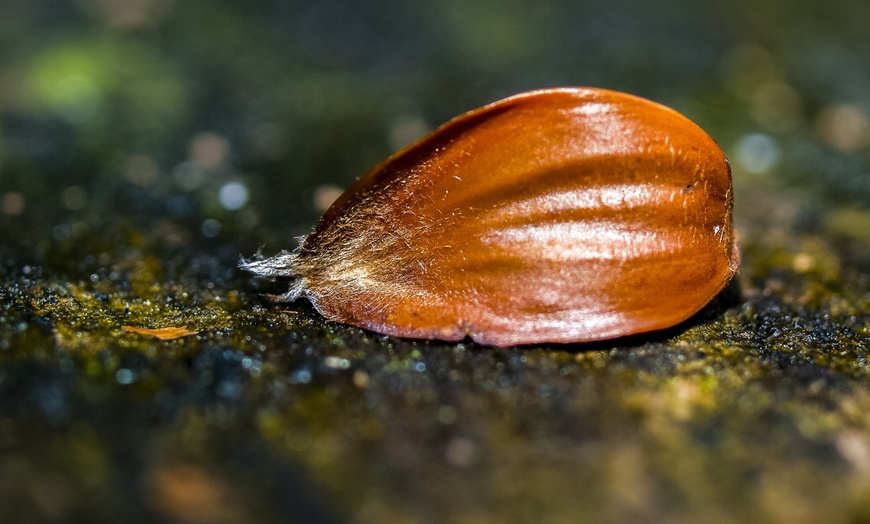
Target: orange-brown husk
[559,215]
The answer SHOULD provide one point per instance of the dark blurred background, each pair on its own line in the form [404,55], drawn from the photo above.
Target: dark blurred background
[236,123]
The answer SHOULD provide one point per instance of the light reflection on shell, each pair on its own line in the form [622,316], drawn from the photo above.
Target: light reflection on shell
[559,215]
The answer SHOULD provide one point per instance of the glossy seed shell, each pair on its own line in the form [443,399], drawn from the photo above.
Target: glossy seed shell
[560,215]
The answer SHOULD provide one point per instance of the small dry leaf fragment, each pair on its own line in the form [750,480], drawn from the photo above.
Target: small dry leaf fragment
[167,333]
[559,215]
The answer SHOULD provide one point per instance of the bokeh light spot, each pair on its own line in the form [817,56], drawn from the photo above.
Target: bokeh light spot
[141,170]
[211,228]
[325,195]
[757,153]
[74,198]
[233,196]
[13,203]
[209,150]
[844,127]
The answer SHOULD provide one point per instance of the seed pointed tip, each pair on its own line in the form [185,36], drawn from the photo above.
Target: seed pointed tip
[281,265]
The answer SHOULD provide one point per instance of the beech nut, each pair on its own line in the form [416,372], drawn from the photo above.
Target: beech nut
[559,215]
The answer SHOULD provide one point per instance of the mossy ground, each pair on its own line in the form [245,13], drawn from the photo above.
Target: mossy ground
[755,410]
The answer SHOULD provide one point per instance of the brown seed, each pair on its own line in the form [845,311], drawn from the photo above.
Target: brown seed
[559,215]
